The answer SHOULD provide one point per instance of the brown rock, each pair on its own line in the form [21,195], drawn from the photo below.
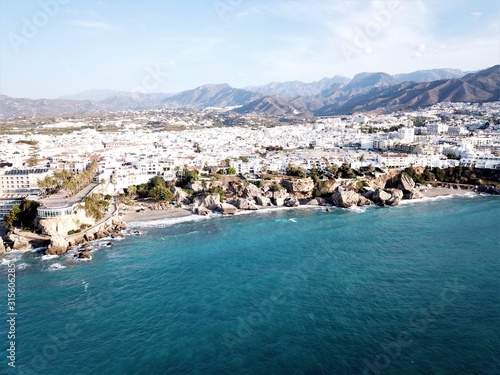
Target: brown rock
[302,188]
[203,211]
[364,201]
[228,209]
[244,204]
[58,246]
[380,196]
[262,201]
[346,198]
[210,201]
[292,203]
[252,191]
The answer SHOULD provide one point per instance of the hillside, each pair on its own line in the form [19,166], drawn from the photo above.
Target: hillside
[212,96]
[273,106]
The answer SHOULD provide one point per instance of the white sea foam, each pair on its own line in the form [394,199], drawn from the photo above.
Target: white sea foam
[49,257]
[56,267]
[10,257]
[467,195]
[22,266]
[356,209]
[39,249]
[169,221]
[194,218]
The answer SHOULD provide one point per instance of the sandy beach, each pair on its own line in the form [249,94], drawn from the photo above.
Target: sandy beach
[442,191]
[150,215]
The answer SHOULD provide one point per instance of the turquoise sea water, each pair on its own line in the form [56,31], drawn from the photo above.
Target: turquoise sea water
[413,289]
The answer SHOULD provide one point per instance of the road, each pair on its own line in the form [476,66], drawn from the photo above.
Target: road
[59,199]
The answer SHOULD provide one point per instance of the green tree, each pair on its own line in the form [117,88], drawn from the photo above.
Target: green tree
[190,176]
[157,181]
[293,170]
[161,193]
[22,215]
[346,171]
[12,218]
[131,191]
[231,170]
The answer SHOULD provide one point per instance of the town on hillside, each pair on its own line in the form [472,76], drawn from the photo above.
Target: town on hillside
[99,162]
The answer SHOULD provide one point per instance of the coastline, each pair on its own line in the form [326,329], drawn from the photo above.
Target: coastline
[179,215]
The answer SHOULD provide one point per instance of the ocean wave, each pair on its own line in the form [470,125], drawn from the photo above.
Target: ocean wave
[194,218]
[356,209]
[55,267]
[169,221]
[39,249]
[10,257]
[48,257]
[468,195]
[22,266]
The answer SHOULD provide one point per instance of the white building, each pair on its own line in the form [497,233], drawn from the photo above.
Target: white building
[22,182]
[407,135]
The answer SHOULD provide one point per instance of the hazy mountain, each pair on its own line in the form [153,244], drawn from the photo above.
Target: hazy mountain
[487,79]
[476,87]
[221,95]
[21,107]
[367,81]
[135,101]
[273,105]
[429,75]
[93,95]
[365,92]
[293,89]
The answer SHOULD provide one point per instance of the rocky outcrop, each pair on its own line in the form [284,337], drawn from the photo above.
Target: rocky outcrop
[18,242]
[315,202]
[203,211]
[2,246]
[235,189]
[364,201]
[380,196]
[180,195]
[292,202]
[84,252]
[406,183]
[396,197]
[302,188]
[228,209]
[345,199]
[245,204]
[77,240]
[61,244]
[262,200]
[280,193]
[414,194]
[489,189]
[196,186]
[210,201]
[58,245]
[252,192]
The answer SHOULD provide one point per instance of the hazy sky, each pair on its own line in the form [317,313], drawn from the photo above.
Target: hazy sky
[51,48]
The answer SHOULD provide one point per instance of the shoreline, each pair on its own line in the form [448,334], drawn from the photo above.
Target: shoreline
[180,215]
[159,219]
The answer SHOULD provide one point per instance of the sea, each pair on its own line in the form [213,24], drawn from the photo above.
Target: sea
[413,289]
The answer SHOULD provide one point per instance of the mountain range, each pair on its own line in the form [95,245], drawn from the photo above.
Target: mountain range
[330,96]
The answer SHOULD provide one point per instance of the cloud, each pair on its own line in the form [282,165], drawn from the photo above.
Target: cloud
[476,14]
[88,24]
